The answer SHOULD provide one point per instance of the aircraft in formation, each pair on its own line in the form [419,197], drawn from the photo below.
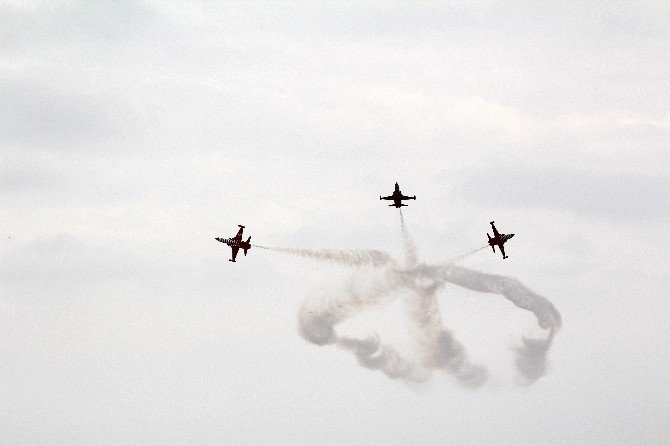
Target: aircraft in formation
[397,197]
[236,242]
[498,239]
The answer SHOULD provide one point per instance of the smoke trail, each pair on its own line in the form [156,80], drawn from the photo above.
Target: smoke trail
[318,318]
[455,260]
[437,347]
[411,257]
[531,356]
[547,315]
[351,257]
[375,356]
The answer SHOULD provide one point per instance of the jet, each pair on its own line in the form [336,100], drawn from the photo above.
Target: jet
[498,239]
[236,243]
[397,197]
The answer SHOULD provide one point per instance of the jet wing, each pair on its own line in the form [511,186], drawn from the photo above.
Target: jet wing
[239,234]
[390,197]
[502,250]
[495,231]
[235,249]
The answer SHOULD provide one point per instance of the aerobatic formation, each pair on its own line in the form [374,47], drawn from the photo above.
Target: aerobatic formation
[435,348]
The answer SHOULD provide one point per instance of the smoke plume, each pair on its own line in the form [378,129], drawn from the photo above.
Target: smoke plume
[318,318]
[350,257]
[531,356]
[436,347]
[411,257]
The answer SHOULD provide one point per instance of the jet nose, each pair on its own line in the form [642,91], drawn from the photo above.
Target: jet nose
[511,235]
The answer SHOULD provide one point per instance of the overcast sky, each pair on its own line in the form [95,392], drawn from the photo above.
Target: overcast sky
[133,133]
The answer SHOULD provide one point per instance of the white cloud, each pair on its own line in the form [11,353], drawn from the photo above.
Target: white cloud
[133,133]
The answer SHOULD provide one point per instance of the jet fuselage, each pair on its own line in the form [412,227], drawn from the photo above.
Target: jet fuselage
[498,239]
[233,243]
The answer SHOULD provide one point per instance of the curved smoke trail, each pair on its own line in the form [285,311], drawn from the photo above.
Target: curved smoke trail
[318,318]
[531,356]
[437,347]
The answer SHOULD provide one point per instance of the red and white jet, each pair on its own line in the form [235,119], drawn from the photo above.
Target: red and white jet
[236,243]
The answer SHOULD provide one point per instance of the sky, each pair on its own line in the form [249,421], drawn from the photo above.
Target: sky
[133,133]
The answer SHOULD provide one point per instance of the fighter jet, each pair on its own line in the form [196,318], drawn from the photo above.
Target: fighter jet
[397,197]
[236,243]
[498,239]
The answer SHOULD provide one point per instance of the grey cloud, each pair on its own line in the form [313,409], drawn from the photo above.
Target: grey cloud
[70,264]
[21,177]
[54,23]
[65,258]
[616,196]
[37,116]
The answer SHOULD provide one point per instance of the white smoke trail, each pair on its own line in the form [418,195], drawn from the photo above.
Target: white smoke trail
[531,356]
[350,257]
[437,347]
[411,257]
[318,318]
[456,259]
